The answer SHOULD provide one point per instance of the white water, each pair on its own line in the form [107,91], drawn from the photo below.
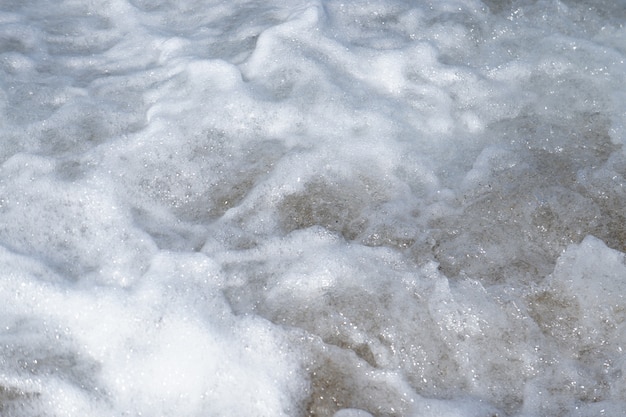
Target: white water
[312,208]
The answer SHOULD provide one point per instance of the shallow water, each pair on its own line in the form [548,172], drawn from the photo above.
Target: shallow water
[313,208]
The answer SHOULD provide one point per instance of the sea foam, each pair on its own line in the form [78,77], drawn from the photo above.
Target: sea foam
[312,208]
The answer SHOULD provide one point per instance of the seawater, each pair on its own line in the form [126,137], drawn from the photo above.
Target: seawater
[312,208]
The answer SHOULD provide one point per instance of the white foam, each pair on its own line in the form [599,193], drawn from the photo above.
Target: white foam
[352,412]
[312,208]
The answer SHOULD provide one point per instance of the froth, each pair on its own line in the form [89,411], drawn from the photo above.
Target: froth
[312,208]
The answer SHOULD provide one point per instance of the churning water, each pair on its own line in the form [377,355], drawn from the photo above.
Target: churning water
[312,208]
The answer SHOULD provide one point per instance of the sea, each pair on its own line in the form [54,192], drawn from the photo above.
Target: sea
[312,208]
